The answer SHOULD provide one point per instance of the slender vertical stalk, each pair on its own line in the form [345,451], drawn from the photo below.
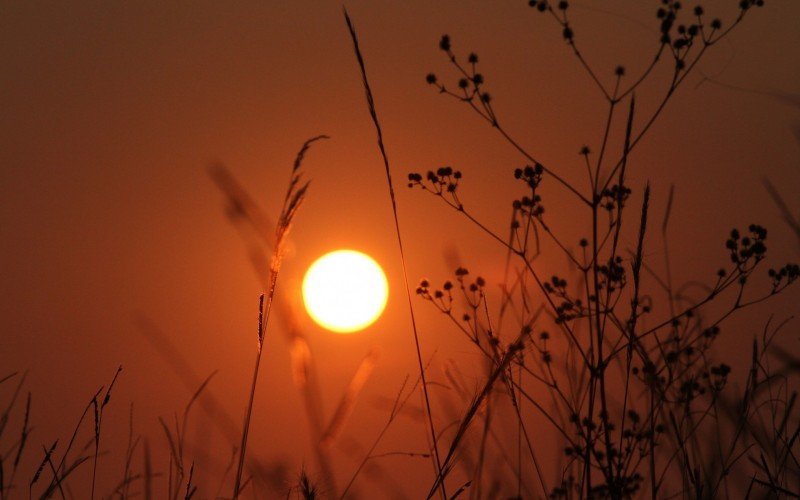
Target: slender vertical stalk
[263,315]
[295,194]
[98,420]
[374,115]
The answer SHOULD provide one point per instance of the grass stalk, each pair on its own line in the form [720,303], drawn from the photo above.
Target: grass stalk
[295,194]
[374,115]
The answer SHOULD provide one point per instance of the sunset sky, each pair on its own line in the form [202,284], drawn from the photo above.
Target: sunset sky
[113,112]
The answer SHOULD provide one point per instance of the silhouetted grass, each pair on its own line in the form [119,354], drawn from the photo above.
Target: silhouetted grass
[374,115]
[639,401]
[665,376]
[295,194]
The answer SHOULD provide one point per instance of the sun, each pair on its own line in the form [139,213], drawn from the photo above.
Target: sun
[345,291]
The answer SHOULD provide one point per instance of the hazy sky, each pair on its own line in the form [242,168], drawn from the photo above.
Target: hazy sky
[112,111]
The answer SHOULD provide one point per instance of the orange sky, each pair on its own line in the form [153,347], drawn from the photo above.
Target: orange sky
[112,112]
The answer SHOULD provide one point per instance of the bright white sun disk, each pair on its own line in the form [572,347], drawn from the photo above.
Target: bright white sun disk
[345,291]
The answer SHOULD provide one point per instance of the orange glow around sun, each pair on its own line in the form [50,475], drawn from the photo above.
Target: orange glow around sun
[345,291]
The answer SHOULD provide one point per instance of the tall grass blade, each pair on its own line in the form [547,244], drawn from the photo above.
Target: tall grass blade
[374,115]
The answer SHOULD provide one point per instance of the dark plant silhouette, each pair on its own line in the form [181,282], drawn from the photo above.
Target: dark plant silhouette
[634,396]
[608,354]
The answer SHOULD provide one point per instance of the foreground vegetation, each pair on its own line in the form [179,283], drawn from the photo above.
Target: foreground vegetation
[639,398]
